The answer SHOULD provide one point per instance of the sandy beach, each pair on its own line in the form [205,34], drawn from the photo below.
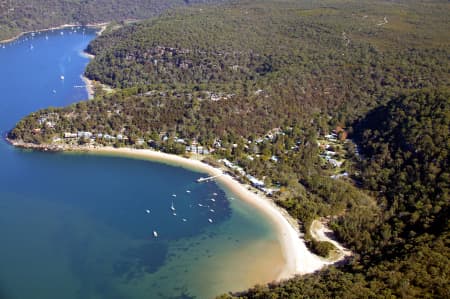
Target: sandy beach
[299,260]
[89,87]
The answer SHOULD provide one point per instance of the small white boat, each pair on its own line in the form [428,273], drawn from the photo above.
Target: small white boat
[46,37]
[61,77]
[213,200]
[155,234]
[174,214]
[200,205]
[62,32]
[54,91]
[211,210]
[215,194]
[184,219]
[147,211]
[172,207]
[210,220]
[174,195]
[188,191]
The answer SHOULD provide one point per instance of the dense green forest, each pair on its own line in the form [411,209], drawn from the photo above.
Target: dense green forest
[403,252]
[333,58]
[17,16]
[262,83]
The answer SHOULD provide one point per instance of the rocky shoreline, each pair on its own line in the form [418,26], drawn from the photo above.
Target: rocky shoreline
[44,147]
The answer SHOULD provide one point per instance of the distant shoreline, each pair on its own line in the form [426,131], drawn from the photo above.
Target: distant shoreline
[298,259]
[101,26]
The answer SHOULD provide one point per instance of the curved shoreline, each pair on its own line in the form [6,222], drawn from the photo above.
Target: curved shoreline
[298,259]
[101,26]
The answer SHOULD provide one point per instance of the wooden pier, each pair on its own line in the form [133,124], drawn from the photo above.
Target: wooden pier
[201,180]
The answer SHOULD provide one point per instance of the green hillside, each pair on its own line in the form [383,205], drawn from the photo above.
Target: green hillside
[17,16]
[263,84]
[403,251]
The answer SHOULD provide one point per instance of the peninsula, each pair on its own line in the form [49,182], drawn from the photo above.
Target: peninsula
[338,112]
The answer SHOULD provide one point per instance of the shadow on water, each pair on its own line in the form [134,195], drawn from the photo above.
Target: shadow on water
[3,294]
[183,296]
[138,261]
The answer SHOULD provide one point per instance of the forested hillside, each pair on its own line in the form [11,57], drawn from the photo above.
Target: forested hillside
[404,250]
[17,16]
[263,84]
[333,58]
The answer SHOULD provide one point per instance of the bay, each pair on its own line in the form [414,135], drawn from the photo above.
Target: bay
[81,226]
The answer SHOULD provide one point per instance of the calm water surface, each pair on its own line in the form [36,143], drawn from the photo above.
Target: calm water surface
[77,225]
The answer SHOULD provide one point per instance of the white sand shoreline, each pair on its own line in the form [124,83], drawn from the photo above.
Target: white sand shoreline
[89,86]
[299,260]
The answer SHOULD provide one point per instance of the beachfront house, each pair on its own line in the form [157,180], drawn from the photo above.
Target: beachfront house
[255,182]
[86,135]
[70,135]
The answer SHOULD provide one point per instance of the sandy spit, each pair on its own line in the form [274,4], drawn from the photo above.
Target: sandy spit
[89,86]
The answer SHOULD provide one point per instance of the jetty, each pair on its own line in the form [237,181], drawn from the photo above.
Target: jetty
[202,179]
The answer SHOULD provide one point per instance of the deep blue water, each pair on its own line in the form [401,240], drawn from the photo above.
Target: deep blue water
[77,226]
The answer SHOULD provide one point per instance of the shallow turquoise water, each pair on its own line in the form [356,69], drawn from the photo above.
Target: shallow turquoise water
[77,226]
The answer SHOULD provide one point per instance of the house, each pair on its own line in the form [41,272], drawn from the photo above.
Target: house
[330,153]
[198,149]
[331,137]
[86,135]
[255,182]
[336,176]
[70,135]
[334,162]
[227,163]
[108,137]
[42,120]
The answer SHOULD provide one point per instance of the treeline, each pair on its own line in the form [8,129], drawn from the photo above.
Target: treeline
[408,143]
[331,58]
[403,251]
[239,124]
[17,16]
